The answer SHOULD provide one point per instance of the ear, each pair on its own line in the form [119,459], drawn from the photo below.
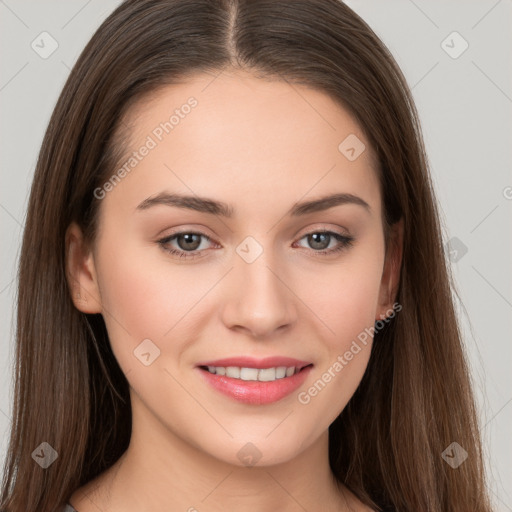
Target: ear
[80,272]
[391,270]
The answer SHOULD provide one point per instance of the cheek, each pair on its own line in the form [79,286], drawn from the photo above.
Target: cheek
[345,301]
[344,296]
[139,301]
[147,296]
[130,293]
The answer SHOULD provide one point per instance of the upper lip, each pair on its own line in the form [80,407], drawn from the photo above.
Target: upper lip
[251,362]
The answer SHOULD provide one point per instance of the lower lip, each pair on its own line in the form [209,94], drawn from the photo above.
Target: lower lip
[256,392]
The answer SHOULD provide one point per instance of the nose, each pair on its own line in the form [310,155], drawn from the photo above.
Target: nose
[258,299]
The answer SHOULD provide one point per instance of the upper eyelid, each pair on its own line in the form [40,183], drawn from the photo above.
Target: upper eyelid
[199,231]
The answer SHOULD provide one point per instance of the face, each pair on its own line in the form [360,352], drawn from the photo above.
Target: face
[253,267]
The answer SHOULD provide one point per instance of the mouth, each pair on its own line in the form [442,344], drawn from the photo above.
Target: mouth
[255,382]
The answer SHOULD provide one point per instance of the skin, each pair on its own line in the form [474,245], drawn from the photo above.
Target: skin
[247,139]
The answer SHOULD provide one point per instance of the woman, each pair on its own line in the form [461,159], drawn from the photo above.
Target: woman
[233,292]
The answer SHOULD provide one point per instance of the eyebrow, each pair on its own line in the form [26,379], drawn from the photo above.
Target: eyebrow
[206,205]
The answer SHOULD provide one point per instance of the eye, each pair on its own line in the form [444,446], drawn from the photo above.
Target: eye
[321,240]
[189,243]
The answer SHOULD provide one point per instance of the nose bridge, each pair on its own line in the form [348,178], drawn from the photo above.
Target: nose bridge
[259,300]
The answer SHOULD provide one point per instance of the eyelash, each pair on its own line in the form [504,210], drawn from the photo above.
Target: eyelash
[345,243]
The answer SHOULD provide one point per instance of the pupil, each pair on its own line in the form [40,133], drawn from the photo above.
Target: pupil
[189,239]
[318,244]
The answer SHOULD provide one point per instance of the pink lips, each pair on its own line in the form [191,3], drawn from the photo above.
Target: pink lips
[256,392]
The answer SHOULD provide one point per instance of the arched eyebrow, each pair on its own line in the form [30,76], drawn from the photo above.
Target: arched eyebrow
[214,207]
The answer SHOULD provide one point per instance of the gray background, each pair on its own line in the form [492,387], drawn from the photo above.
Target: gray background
[465,108]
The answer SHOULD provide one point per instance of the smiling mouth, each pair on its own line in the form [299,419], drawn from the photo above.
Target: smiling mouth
[255,374]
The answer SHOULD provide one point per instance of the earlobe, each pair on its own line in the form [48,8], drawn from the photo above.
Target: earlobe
[391,272]
[80,272]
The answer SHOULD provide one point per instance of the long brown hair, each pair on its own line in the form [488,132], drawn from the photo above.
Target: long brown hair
[414,399]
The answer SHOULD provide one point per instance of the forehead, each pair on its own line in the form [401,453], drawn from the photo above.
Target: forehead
[235,136]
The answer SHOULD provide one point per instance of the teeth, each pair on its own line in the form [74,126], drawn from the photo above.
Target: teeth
[249,373]
[233,371]
[261,374]
[280,372]
[268,374]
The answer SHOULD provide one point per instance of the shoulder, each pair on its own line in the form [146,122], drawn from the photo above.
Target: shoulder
[67,508]
[81,498]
